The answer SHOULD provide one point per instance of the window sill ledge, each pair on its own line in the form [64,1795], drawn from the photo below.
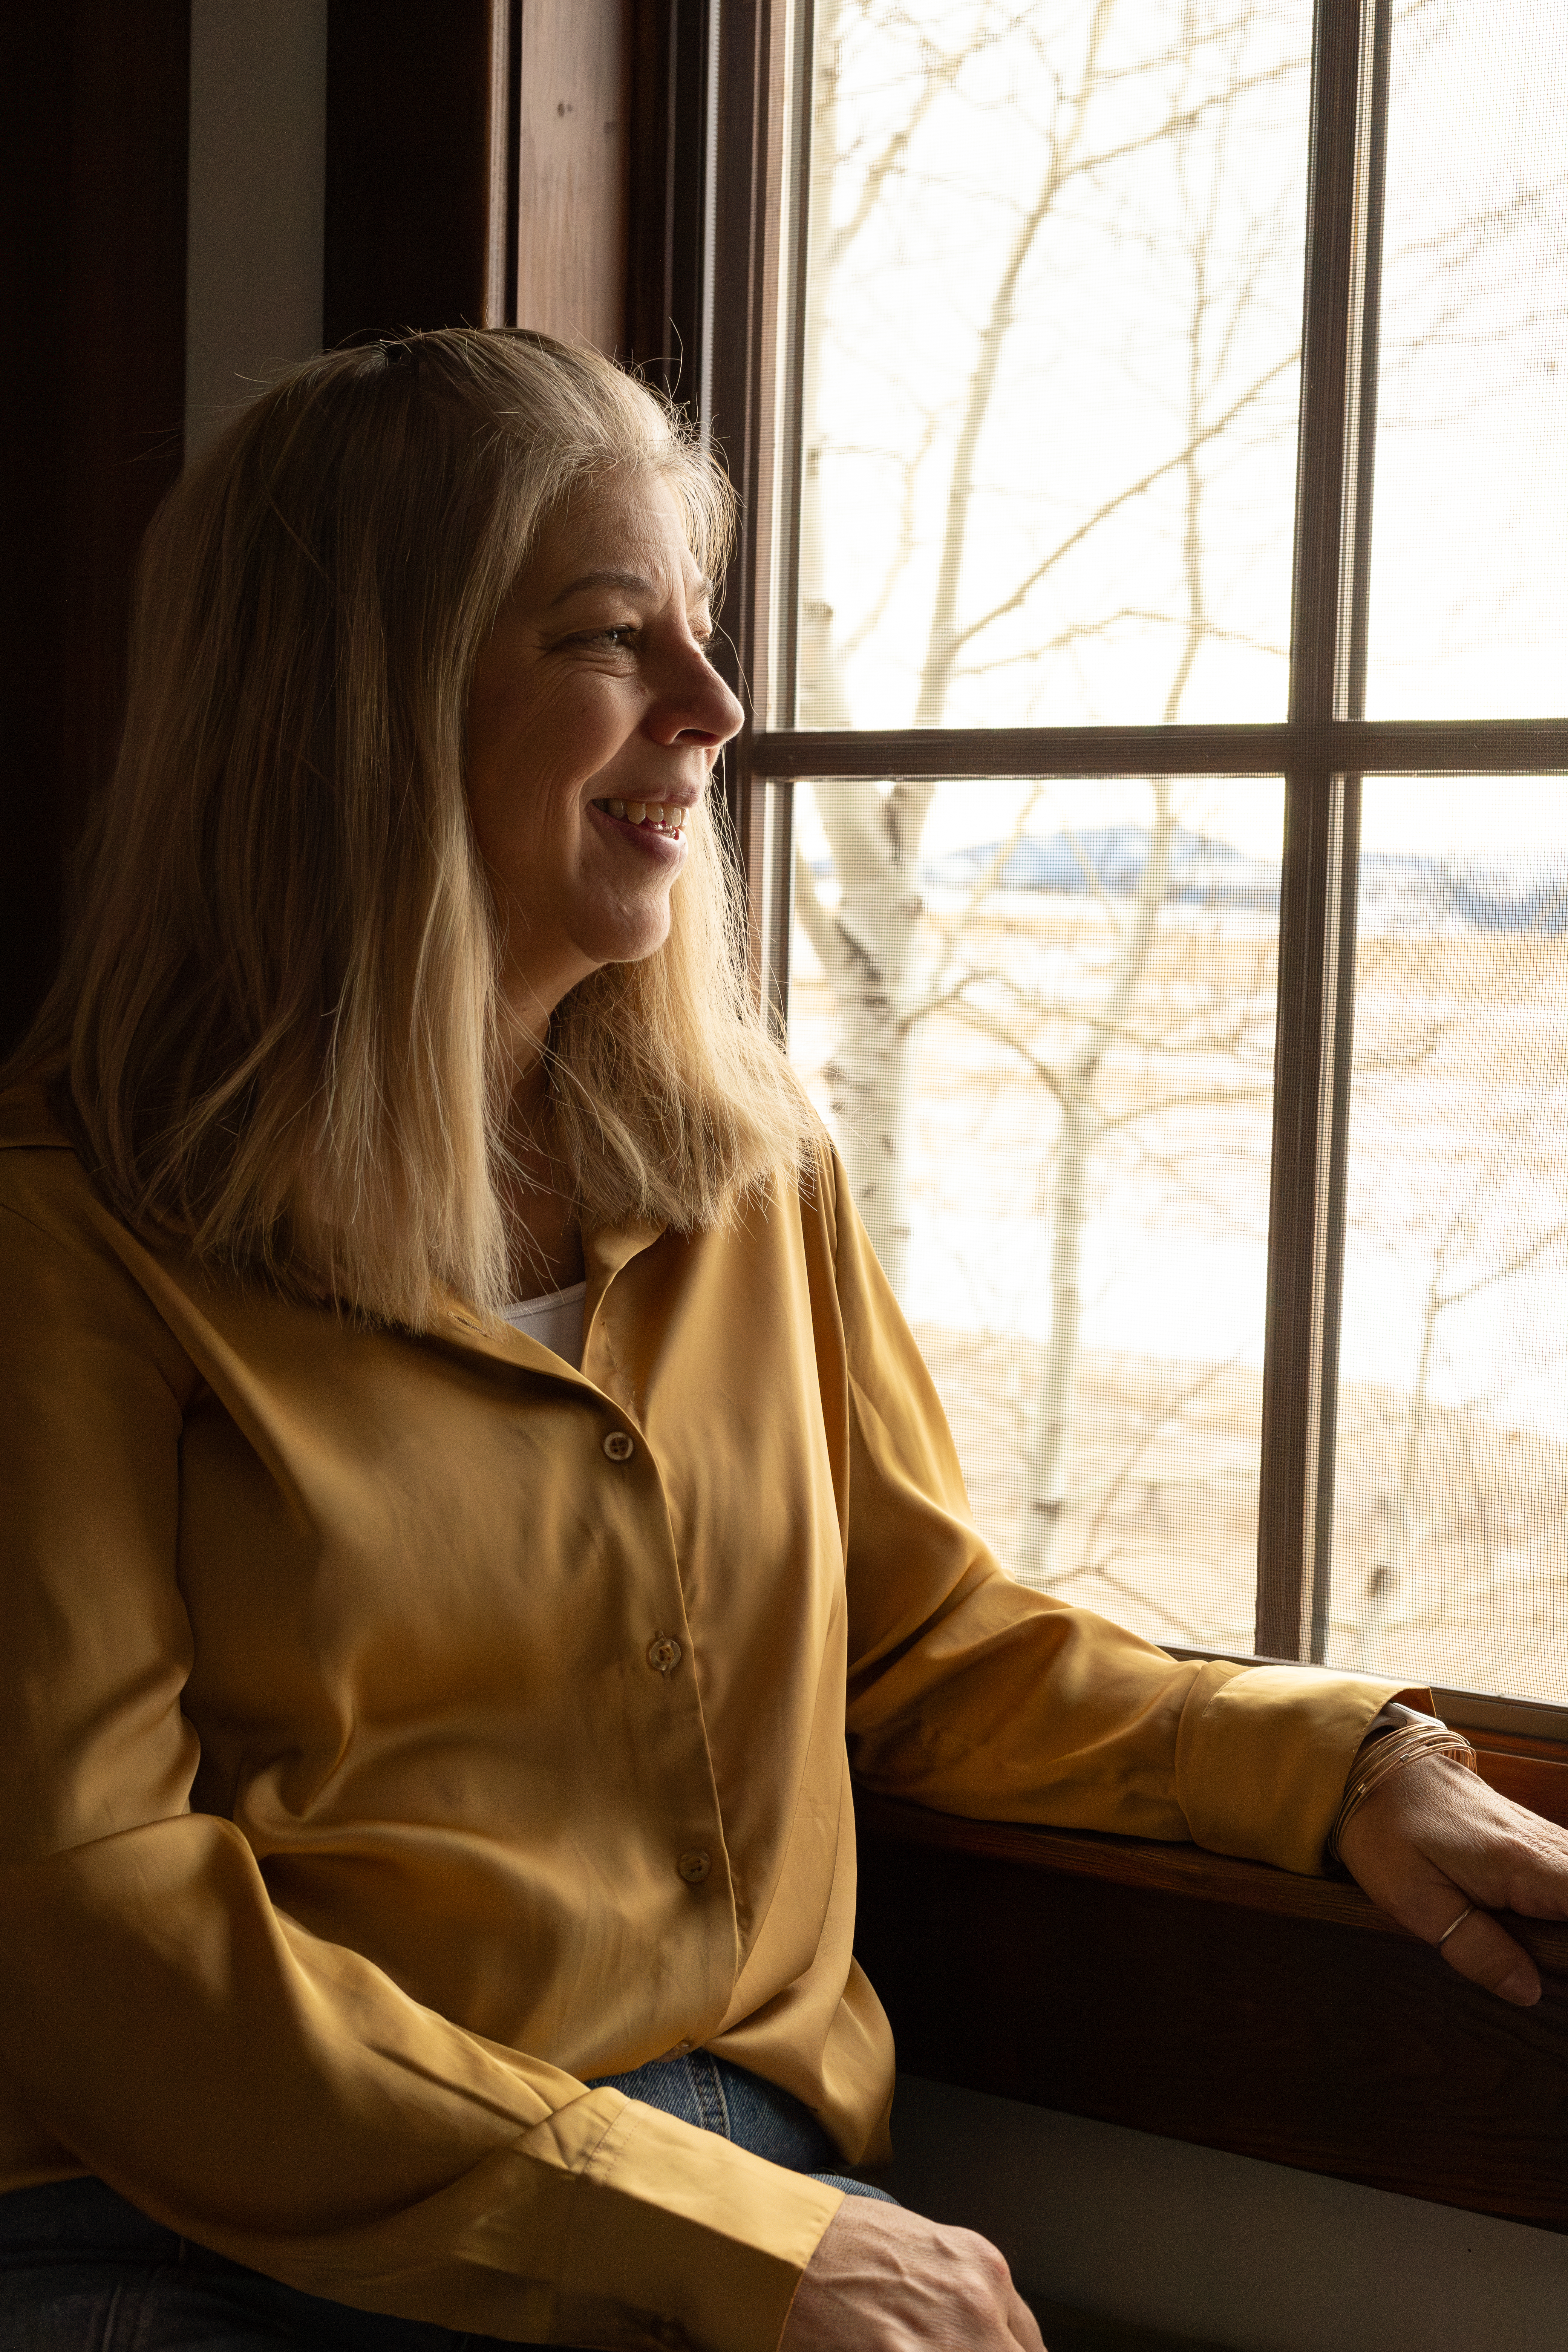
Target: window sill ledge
[1185,1870]
[1218,2002]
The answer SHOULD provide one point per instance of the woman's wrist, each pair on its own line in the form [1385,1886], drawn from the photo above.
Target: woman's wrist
[1399,1736]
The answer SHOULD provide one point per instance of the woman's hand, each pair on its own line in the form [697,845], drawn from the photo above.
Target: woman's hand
[884,2280]
[1433,1839]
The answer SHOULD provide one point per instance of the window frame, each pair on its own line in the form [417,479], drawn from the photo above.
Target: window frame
[1322,749]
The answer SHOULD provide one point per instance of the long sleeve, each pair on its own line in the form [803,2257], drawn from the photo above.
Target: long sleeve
[264,2090]
[975,1695]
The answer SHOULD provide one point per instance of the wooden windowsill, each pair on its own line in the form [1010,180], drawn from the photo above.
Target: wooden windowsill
[1224,2002]
[1187,1870]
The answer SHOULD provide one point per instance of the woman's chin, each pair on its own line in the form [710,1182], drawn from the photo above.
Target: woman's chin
[629,936]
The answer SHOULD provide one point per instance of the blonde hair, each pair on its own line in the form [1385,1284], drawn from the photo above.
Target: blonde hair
[279,1004]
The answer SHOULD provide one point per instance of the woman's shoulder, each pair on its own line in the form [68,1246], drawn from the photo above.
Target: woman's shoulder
[73,1275]
[51,1208]
[29,1120]
[42,1172]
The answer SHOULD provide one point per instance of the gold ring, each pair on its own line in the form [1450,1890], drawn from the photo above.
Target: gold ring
[1449,1931]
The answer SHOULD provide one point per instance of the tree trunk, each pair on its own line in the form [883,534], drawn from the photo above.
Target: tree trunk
[1048,1461]
[1051,1448]
[867,944]
[869,947]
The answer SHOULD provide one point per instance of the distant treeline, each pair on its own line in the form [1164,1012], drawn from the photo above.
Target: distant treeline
[1519,893]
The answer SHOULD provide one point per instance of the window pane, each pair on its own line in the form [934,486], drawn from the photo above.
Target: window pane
[1054,303]
[1452,1482]
[1469,583]
[1039,1018]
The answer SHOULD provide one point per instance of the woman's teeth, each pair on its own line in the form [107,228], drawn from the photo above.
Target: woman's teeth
[665,815]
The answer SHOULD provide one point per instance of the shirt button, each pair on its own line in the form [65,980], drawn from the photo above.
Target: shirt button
[619,1446]
[694,1867]
[681,2049]
[663,1653]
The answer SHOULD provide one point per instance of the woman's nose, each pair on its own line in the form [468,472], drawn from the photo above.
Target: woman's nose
[696,704]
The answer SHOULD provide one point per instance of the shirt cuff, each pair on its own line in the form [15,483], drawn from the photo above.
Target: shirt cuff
[606,2223]
[680,2236]
[1263,1753]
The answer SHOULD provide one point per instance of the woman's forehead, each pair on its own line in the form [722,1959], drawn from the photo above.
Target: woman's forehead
[629,531]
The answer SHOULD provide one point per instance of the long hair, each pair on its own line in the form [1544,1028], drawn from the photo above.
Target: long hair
[278,1006]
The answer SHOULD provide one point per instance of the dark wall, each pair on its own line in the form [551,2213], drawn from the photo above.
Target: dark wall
[408,224]
[95,130]
[420,230]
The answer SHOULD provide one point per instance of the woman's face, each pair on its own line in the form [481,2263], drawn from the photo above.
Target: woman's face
[594,724]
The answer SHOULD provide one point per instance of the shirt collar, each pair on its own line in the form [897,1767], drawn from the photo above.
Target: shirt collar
[606,1250]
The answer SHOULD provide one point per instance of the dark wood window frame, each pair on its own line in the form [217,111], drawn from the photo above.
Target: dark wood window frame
[1176,1992]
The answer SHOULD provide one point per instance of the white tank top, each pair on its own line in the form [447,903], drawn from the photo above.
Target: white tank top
[554,1320]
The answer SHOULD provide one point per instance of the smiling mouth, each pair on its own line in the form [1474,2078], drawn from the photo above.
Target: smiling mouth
[663,816]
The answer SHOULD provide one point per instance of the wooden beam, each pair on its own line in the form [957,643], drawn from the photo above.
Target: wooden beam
[1449,747]
[573,146]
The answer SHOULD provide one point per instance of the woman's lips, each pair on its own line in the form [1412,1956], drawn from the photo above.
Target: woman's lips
[658,828]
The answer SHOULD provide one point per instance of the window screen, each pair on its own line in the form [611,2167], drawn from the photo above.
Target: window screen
[1451,1536]
[1469,577]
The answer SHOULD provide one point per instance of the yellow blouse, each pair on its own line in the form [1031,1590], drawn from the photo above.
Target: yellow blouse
[398,1729]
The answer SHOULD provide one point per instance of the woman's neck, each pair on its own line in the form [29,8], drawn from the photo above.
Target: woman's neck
[544,1240]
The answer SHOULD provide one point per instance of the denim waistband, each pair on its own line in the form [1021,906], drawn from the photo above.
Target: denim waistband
[739,2105]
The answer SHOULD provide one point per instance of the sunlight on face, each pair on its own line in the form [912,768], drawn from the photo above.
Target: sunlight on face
[595,720]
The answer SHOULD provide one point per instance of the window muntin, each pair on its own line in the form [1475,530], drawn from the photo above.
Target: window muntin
[1451,1489]
[1039,1018]
[1051,361]
[1469,582]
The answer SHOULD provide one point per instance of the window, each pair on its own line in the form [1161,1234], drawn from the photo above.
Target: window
[1152,611]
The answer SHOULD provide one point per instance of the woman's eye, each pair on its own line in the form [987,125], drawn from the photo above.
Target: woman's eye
[620,639]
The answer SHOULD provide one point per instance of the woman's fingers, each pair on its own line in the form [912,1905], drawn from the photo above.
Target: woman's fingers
[1440,1852]
[1024,2326]
[1480,1948]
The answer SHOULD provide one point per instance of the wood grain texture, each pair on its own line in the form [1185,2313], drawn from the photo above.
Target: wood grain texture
[573,146]
[1184,1870]
[1214,2000]
[1538,1782]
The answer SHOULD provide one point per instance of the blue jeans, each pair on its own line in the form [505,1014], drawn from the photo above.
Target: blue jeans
[81,2271]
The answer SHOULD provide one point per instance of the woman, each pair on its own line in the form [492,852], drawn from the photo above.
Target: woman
[465,1474]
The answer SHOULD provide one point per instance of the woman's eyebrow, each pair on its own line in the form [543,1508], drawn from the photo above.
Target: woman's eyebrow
[633,583]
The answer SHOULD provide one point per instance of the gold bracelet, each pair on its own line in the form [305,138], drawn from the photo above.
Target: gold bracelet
[1388,1753]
